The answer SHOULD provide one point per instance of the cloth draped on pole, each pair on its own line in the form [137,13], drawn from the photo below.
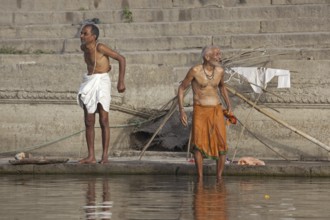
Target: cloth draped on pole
[260,76]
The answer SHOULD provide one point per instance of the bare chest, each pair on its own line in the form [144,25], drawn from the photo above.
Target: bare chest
[203,81]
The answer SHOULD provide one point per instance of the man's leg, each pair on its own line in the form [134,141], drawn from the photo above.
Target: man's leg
[104,123]
[220,166]
[90,136]
[199,164]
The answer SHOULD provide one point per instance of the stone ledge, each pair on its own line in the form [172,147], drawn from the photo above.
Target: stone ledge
[41,97]
[171,166]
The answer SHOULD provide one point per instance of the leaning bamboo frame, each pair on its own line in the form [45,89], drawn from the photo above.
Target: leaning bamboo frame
[166,118]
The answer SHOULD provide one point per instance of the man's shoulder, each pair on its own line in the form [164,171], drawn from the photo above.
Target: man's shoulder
[102,48]
[101,45]
[219,69]
[197,68]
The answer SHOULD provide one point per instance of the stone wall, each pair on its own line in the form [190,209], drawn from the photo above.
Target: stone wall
[41,68]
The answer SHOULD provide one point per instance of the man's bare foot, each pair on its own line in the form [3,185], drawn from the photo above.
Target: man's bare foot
[87,161]
[104,161]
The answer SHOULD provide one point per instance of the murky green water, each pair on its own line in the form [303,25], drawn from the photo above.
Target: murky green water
[162,197]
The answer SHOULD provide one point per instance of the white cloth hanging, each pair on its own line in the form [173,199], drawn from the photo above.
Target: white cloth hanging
[260,76]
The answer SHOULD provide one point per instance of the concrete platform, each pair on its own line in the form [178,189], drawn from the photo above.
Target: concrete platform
[169,164]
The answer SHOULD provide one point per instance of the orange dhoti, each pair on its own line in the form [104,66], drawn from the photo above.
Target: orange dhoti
[209,131]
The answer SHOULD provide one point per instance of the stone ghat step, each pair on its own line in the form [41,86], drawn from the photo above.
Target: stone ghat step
[171,167]
[162,29]
[111,16]
[238,41]
[65,5]
[176,57]
[151,84]
[301,69]
[67,77]
[73,5]
[45,82]
[306,70]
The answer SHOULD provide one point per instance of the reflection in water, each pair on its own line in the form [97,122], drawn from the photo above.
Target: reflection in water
[28,197]
[94,209]
[210,201]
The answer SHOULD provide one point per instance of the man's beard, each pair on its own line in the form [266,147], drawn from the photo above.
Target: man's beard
[216,63]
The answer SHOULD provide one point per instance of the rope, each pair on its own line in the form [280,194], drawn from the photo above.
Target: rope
[232,73]
[35,147]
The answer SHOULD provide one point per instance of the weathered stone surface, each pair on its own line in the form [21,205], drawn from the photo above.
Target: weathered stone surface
[149,86]
[295,25]
[162,42]
[298,2]
[298,40]
[43,128]
[176,166]
[282,139]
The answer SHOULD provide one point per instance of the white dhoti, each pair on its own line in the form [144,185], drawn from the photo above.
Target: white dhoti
[95,89]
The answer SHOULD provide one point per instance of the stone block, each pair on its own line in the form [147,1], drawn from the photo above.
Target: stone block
[163,43]
[16,170]
[56,129]
[147,29]
[9,5]
[49,17]
[305,69]
[298,2]
[33,18]
[41,124]
[280,138]
[284,40]
[262,12]
[106,16]
[171,58]
[130,4]
[148,86]
[225,27]
[241,3]
[195,3]
[21,59]
[296,25]
[49,5]
[55,45]
[7,32]
[73,45]
[158,15]
[41,77]
[48,31]
[6,18]
[320,171]
[75,5]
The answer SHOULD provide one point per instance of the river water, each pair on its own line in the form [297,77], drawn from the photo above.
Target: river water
[27,197]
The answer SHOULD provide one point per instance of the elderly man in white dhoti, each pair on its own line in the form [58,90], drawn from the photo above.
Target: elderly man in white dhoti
[94,92]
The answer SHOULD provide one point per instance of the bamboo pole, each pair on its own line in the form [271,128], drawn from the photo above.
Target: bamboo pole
[243,127]
[261,141]
[167,117]
[308,137]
